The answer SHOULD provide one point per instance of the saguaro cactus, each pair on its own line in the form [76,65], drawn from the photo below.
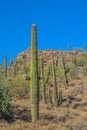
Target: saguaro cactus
[60,98]
[74,60]
[14,69]
[43,81]
[85,67]
[49,95]
[69,47]
[11,63]
[24,62]
[34,87]
[65,69]
[54,83]
[0,69]
[57,62]
[5,66]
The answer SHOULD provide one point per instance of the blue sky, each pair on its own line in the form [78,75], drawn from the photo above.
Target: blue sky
[59,22]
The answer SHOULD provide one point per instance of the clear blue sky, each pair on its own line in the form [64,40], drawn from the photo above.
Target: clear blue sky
[59,22]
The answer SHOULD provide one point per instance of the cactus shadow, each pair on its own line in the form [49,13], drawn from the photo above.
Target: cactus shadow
[22,114]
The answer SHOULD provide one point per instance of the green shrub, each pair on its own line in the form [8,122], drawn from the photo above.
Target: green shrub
[26,69]
[81,59]
[5,101]
[20,61]
[73,71]
[20,86]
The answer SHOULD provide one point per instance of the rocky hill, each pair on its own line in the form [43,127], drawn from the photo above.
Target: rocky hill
[71,114]
[47,55]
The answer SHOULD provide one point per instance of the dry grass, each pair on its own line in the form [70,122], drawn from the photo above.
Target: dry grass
[63,118]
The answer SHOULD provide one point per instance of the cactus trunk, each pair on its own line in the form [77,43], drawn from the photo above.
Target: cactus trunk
[34,89]
[49,95]
[60,98]
[43,81]
[14,69]
[65,69]
[54,83]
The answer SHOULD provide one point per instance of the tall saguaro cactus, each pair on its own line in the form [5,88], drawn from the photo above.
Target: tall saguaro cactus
[43,82]
[54,83]
[65,69]
[5,66]
[34,87]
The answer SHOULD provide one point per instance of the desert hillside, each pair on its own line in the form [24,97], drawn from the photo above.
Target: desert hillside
[43,65]
[69,55]
[71,114]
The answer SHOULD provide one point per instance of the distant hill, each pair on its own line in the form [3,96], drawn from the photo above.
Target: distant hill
[26,56]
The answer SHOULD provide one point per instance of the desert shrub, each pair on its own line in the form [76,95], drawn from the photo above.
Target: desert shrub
[26,76]
[20,61]
[20,86]
[73,71]
[81,59]
[26,69]
[5,101]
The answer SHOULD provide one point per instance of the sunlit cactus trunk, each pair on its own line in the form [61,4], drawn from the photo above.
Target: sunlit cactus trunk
[34,89]
[43,81]
[24,62]
[49,95]
[0,70]
[55,92]
[65,69]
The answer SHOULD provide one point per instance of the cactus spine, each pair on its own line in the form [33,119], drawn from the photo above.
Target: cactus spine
[34,89]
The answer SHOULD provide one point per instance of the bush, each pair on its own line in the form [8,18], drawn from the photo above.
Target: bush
[73,70]
[81,59]
[5,101]
[20,86]
[26,69]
